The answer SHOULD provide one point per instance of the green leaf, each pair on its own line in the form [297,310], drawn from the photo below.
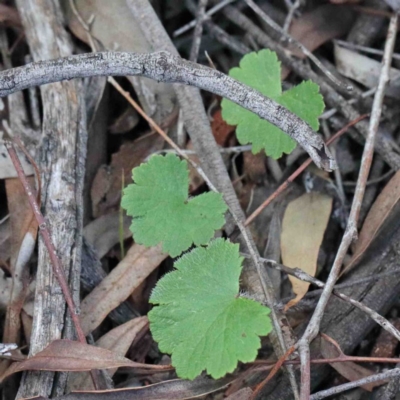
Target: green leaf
[200,319]
[262,71]
[158,202]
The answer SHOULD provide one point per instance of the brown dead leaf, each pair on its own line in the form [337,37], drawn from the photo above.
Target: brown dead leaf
[118,340]
[9,16]
[107,184]
[137,265]
[316,27]
[303,228]
[254,166]
[378,214]
[349,370]
[125,122]
[69,355]
[221,130]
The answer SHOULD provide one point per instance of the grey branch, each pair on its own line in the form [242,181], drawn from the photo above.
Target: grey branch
[162,66]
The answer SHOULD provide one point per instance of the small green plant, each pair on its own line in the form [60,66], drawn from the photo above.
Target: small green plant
[200,318]
[198,315]
[162,212]
[262,71]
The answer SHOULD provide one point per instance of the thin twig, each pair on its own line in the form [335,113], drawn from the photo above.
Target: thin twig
[298,171]
[223,150]
[198,30]
[272,373]
[207,15]
[351,229]
[300,274]
[365,49]
[161,132]
[163,66]
[297,44]
[292,9]
[354,384]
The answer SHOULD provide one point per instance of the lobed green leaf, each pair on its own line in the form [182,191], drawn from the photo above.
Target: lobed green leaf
[262,71]
[162,213]
[200,318]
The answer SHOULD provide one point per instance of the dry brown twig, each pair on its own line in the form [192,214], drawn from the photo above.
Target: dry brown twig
[351,229]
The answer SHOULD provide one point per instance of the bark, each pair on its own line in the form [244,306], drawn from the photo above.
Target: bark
[61,162]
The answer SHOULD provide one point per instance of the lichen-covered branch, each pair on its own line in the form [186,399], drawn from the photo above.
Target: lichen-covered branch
[162,66]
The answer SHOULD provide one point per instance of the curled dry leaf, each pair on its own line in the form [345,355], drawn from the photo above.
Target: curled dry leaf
[69,355]
[137,265]
[303,228]
[375,219]
[118,340]
[349,370]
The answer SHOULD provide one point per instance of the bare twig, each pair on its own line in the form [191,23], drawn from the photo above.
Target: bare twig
[289,39]
[298,171]
[365,49]
[351,229]
[198,30]
[218,33]
[207,15]
[160,131]
[292,9]
[360,382]
[163,66]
